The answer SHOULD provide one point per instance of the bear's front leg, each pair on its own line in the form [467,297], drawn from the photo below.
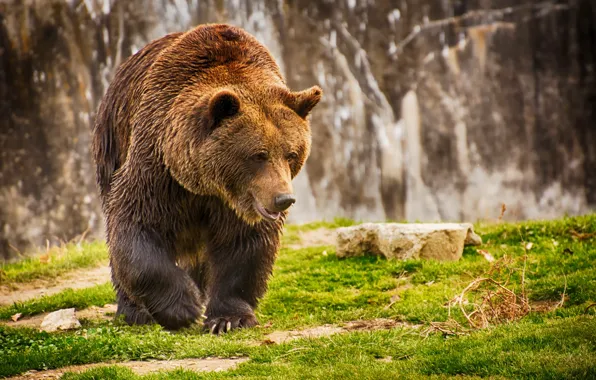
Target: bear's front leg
[239,267]
[144,269]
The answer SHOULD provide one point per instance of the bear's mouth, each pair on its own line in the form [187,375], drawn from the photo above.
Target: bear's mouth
[266,213]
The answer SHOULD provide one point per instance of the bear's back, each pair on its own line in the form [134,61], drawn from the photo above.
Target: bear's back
[112,127]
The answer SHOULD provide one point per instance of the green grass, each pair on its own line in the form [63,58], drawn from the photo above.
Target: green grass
[98,295]
[558,348]
[53,263]
[311,286]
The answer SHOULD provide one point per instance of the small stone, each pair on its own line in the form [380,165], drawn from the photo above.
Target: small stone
[63,319]
[472,238]
[401,241]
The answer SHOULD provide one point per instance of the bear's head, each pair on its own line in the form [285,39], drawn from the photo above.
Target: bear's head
[243,146]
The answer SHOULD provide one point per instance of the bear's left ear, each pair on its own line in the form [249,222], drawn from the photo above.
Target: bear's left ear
[303,102]
[223,104]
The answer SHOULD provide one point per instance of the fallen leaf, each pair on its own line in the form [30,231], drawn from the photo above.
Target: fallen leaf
[267,342]
[15,317]
[486,255]
[45,258]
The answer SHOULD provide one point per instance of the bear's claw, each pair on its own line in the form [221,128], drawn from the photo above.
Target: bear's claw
[219,325]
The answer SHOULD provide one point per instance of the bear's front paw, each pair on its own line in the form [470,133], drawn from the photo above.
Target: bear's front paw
[217,325]
[181,314]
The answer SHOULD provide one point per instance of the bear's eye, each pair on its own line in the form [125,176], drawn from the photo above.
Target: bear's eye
[261,157]
[292,156]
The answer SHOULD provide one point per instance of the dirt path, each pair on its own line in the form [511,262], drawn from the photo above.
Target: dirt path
[107,313]
[77,279]
[313,238]
[96,313]
[143,368]
[278,337]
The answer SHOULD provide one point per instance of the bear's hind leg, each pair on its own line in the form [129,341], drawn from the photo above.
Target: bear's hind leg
[144,267]
[133,314]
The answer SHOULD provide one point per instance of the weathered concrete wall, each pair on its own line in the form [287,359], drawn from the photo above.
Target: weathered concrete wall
[433,110]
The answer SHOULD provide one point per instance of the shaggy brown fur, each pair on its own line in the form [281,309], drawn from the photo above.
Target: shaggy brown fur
[196,143]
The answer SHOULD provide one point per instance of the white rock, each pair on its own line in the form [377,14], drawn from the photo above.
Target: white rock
[442,241]
[63,319]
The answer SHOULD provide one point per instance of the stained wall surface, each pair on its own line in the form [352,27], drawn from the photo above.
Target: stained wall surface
[433,110]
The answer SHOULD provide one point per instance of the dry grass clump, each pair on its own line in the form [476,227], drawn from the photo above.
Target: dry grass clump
[494,299]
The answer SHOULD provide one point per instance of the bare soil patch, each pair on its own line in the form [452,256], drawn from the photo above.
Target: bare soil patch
[377,324]
[77,279]
[314,332]
[313,238]
[278,337]
[143,368]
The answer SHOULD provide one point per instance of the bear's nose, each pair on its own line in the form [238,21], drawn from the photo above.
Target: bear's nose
[283,201]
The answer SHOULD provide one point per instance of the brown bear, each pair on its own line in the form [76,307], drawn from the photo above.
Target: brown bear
[196,142]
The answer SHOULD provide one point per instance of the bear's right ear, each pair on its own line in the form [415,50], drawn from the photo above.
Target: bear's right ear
[223,104]
[303,102]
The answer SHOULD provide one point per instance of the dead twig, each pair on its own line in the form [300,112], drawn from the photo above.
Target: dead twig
[392,302]
[523,279]
[503,209]
[83,235]
[15,249]
[290,352]
[560,303]
[582,235]
[450,327]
